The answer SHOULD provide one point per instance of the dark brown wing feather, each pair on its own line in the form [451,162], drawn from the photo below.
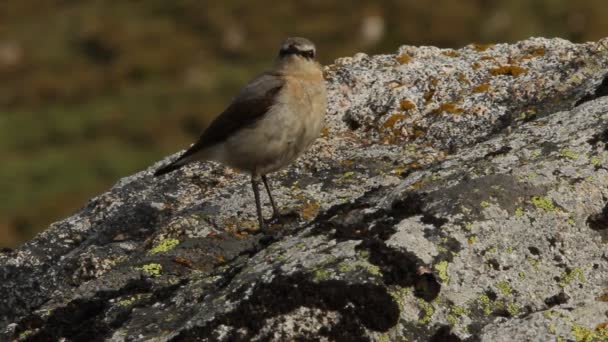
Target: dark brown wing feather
[248,106]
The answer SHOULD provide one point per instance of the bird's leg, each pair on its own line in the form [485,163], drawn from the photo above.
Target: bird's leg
[258,205]
[275,211]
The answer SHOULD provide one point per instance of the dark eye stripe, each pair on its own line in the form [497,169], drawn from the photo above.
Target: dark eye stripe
[308,54]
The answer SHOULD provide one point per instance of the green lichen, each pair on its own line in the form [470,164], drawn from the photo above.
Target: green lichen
[128,302]
[348,174]
[427,311]
[584,334]
[452,320]
[491,250]
[484,204]
[568,277]
[24,334]
[399,294]
[595,161]
[533,262]
[504,287]
[152,269]
[568,154]
[509,249]
[486,303]
[571,221]
[442,271]
[542,202]
[468,226]
[346,267]
[458,310]
[321,274]
[471,240]
[519,212]
[513,309]
[521,275]
[164,246]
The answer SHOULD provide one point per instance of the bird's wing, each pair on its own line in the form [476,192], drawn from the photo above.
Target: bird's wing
[250,105]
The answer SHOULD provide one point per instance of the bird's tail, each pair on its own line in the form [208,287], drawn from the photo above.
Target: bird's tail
[170,167]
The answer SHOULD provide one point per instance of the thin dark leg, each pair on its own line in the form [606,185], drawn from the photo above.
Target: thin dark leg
[258,205]
[275,211]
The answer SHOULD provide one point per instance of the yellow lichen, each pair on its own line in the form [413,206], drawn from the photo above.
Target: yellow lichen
[584,334]
[442,271]
[164,246]
[568,277]
[519,212]
[542,202]
[504,288]
[152,269]
[568,154]
[427,311]
[509,70]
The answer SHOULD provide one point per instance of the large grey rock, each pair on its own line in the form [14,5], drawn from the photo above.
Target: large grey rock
[455,195]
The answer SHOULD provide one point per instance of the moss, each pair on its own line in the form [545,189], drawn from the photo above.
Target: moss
[406,104]
[427,311]
[568,154]
[508,70]
[482,88]
[504,287]
[404,58]
[568,277]
[519,212]
[542,202]
[152,269]
[442,271]
[164,246]
[584,334]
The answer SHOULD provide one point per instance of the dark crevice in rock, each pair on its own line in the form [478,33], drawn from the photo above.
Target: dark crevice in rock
[444,334]
[601,90]
[599,223]
[401,268]
[359,305]
[501,151]
[558,299]
[83,319]
[600,137]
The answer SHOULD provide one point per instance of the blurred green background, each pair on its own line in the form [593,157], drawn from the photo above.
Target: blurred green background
[94,90]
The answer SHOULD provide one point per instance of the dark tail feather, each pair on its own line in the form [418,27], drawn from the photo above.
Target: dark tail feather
[168,168]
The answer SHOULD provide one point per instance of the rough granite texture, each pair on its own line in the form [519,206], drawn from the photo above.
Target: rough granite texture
[455,195]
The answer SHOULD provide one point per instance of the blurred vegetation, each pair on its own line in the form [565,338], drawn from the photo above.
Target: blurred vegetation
[95,90]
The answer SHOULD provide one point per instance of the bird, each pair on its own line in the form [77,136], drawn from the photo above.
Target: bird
[273,120]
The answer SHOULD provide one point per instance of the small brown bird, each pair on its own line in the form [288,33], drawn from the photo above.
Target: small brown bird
[271,121]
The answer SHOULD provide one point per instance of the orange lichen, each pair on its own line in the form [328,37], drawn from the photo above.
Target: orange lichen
[389,124]
[481,88]
[324,132]
[428,95]
[481,47]
[462,78]
[310,210]
[603,297]
[404,58]
[450,53]
[535,52]
[487,58]
[509,70]
[347,162]
[406,104]
[448,108]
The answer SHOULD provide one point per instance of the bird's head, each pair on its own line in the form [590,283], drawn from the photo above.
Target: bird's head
[297,47]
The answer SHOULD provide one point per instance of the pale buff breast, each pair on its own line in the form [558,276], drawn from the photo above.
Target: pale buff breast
[289,128]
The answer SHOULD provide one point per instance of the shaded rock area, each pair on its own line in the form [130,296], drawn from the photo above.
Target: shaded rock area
[455,195]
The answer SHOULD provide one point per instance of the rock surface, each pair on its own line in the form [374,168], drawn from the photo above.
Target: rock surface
[455,195]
